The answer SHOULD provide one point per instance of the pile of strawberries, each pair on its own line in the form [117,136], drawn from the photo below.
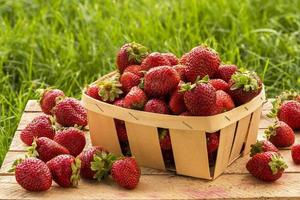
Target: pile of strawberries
[57,140]
[266,163]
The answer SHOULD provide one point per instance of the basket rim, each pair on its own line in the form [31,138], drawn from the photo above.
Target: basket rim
[203,123]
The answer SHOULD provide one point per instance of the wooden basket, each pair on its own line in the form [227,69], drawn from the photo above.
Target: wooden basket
[238,130]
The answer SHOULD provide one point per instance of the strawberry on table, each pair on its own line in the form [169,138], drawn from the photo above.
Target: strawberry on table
[129,80]
[41,126]
[48,99]
[172,58]
[280,134]
[32,174]
[71,138]
[135,99]
[201,61]
[226,71]
[46,149]
[65,170]
[153,60]
[296,153]
[266,166]
[130,54]
[156,106]
[289,112]
[262,146]
[126,172]
[244,86]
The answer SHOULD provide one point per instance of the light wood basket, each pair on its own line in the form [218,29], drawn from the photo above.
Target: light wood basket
[238,130]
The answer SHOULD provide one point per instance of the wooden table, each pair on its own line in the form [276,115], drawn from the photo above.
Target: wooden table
[235,183]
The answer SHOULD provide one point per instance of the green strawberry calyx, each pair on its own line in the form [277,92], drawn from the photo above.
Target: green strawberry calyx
[110,89]
[101,164]
[31,151]
[14,165]
[271,130]
[162,133]
[75,177]
[256,148]
[136,52]
[284,96]
[189,86]
[247,80]
[277,163]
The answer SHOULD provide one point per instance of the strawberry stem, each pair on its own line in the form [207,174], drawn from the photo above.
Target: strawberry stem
[277,163]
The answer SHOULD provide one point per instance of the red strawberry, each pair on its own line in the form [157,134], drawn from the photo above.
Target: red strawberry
[71,138]
[262,146]
[154,59]
[156,106]
[201,61]
[46,149]
[65,170]
[93,91]
[69,112]
[226,71]
[266,166]
[119,102]
[121,130]
[135,99]
[96,163]
[160,81]
[176,102]
[48,99]
[219,84]
[110,89]
[33,174]
[280,134]
[244,86]
[130,54]
[212,140]
[126,172]
[199,98]
[135,69]
[180,69]
[164,139]
[296,153]
[186,113]
[183,59]
[289,112]
[224,102]
[40,126]
[129,80]
[171,58]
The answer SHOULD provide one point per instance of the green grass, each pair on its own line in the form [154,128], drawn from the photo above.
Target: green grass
[68,44]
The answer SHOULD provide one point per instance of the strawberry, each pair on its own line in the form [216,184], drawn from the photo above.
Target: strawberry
[226,71]
[176,103]
[266,166]
[186,113]
[289,112]
[154,59]
[121,130]
[156,106]
[296,153]
[69,112]
[96,163]
[48,99]
[280,134]
[40,126]
[280,99]
[164,139]
[110,89]
[262,146]
[135,69]
[46,149]
[171,58]
[199,98]
[244,86]
[219,84]
[212,140]
[135,99]
[71,138]
[180,69]
[129,80]
[130,54]
[126,172]
[160,81]
[201,61]
[93,91]
[224,102]
[32,174]
[183,59]
[65,170]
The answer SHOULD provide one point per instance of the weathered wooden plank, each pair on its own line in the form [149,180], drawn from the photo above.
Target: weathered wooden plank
[166,187]
[26,118]
[32,106]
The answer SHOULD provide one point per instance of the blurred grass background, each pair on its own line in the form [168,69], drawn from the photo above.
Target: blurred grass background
[68,44]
